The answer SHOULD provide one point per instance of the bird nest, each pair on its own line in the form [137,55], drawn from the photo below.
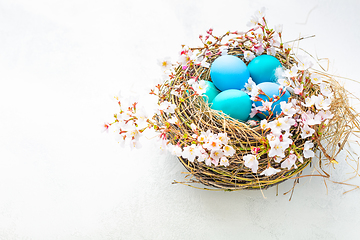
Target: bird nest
[329,132]
[244,137]
[225,153]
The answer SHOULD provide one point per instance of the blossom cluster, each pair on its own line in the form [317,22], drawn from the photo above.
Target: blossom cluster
[130,123]
[308,111]
[213,149]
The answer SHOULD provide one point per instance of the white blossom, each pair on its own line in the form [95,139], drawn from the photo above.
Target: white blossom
[271,137]
[135,144]
[306,131]
[286,139]
[228,150]
[284,82]
[216,154]
[167,107]
[175,150]
[264,124]
[289,162]
[248,55]
[253,112]
[208,161]
[325,90]
[192,81]
[251,161]
[260,13]
[271,51]
[277,148]
[224,162]
[287,108]
[165,63]
[223,138]
[279,124]
[255,91]
[293,72]
[308,153]
[203,156]
[249,85]
[278,28]
[202,137]
[209,135]
[270,171]
[275,41]
[266,106]
[133,133]
[303,62]
[126,115]
[200,87]
[288,122]
[223,50]
[309,118]
[258,48]
[163,144]
[213,144]
[322,103]
[254,20]
[186,56]
[204,63]
[142,116]
[323,115]
[315,78]
[190,152]
[309,101]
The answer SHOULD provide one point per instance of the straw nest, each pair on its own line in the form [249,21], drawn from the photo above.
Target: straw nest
[329,140]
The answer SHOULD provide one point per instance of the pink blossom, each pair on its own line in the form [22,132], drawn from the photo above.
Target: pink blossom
[299,89]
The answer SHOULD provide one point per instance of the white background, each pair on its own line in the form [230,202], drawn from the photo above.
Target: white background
[61,178]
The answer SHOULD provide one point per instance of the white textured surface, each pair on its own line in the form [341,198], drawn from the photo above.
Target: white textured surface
[60,178]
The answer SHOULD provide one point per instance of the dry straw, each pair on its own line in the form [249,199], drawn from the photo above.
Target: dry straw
[330,140]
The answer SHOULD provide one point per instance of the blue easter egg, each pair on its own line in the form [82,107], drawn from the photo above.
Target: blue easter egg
[229,72]
[233,102]
[211,92]
[262,68]
[271,89]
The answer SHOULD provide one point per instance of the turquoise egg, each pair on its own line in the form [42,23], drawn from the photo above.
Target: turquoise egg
[262,68]
[229,72]
[211,92]
[271,89]
[233,102]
